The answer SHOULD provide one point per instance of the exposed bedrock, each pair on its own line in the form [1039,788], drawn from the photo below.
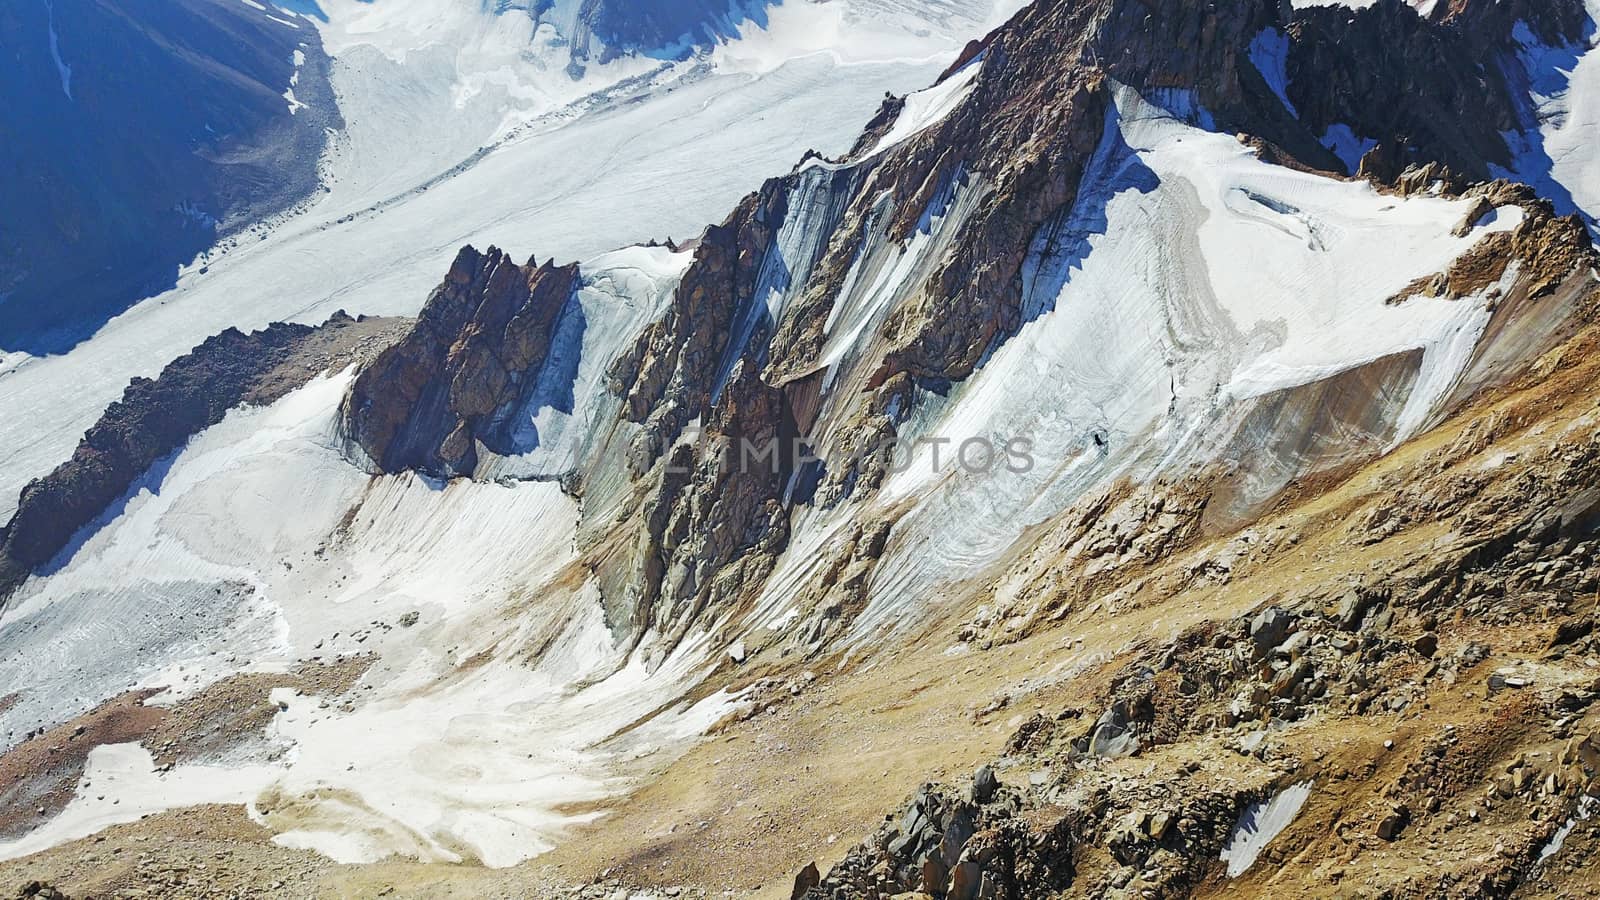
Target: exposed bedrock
[156,417]
[1335,721]
[1445,89]
[429,401]
[1227,596]
[669,375]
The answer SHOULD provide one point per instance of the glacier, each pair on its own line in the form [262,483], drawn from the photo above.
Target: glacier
[458,133]
[1189,285]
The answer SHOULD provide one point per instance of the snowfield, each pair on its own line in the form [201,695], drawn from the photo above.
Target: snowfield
[1190,280]
[236,554]
[245,561]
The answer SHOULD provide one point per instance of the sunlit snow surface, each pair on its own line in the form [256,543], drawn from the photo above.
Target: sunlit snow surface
[261,547]
[928,107]
[1558,155]
[1259,824]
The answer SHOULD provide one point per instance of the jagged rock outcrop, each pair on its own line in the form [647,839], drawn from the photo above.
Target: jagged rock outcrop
[429,400]
[668,375]
[717,524]
[1548,248]
[744,347]
[1419,87]
[1294,594]
[1002,843]
[158,416]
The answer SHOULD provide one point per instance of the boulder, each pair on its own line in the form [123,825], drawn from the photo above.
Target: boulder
[1352,609]
[935,875]
[807,879]
[984,784]
[964,881]
[1269,628]
[1390,826]
[1426,645]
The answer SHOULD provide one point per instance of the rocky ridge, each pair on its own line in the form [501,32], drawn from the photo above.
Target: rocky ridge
[1016,149]
[1002,166]
[158,416]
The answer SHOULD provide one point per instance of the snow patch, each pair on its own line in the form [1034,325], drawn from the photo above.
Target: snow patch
[1269,52]
[1189,279]
[121,784]
[856,32]
[1586,808]
[1261,822]
[1555,152]
[1346,145]
[260,546]
[563,418]
[928,107]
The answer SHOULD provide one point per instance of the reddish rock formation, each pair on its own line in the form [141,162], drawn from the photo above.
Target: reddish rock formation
[668,376]
[427,401]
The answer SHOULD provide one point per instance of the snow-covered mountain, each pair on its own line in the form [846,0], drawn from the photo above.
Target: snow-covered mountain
[133,137]
[1187,408]
[146,134]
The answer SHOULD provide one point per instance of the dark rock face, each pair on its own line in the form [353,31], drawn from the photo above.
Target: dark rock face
[1421,88]
[668,376]
[426,402]
[1039,108]
[156,417]
[136,134]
